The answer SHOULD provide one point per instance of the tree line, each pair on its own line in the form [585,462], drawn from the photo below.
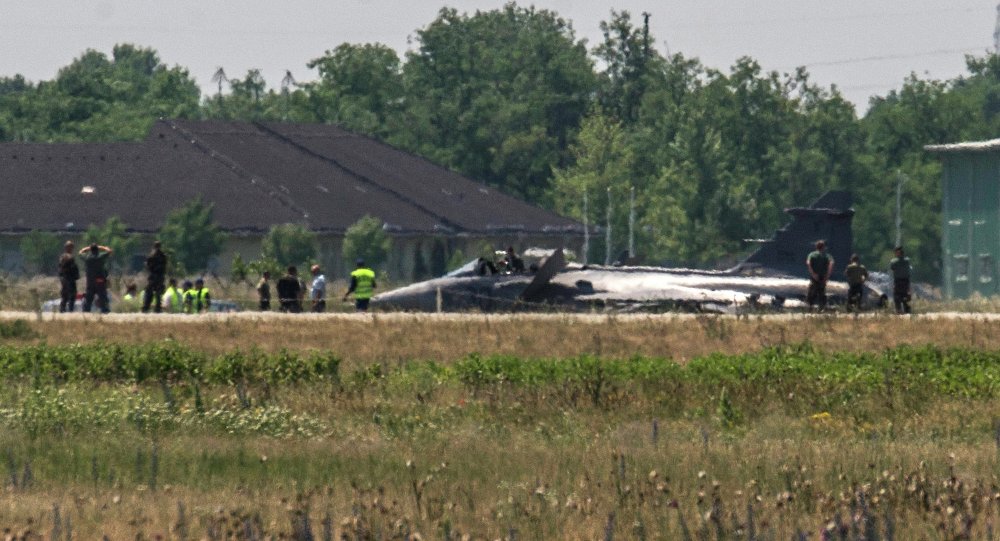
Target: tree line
[511,97]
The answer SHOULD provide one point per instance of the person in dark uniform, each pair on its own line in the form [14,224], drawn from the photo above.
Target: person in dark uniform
[69,273]
[820,265]
[901,270]
[856,275]
[95,264]
[290,291]
[515,264]
[156,265]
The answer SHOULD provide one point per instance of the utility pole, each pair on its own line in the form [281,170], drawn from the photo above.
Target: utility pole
[631,222]
[900,179]
[607,232]
[996,33]
[586,230]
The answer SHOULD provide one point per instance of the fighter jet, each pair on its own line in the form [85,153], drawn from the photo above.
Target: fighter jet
[774,277]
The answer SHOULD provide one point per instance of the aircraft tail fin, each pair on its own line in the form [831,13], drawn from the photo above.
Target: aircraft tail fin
[828,218]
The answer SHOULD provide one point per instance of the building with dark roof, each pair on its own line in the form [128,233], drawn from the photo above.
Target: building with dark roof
[259,175]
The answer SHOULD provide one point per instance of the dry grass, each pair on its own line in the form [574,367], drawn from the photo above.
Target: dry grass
[495,464]
[393,337]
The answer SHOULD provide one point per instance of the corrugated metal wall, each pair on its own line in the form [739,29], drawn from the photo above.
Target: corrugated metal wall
[971,230]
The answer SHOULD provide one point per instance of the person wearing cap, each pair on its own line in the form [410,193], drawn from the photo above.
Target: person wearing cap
[69,273]
[289,291]
[317,291]
[156,264]
[95,264]
[362,285]
[197,299]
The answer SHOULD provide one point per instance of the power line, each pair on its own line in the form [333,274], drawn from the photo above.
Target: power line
[861,59]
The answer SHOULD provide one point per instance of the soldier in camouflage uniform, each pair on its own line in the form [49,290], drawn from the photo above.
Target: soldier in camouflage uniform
[857,275]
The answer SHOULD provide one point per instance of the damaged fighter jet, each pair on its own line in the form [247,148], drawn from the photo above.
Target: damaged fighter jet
[772,277]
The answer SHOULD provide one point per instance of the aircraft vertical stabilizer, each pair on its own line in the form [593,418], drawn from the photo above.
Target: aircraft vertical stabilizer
[828,218]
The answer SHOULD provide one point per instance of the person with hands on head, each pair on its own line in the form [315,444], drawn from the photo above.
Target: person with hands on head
[95,263]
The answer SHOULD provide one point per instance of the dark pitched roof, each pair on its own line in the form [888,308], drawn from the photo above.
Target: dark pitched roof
[257,175]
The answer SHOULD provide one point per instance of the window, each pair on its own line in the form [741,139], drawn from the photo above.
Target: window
[985,268]
[961,266]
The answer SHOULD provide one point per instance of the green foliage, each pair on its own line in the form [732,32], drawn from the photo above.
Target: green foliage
[360,88]
[191,236]
[366,239]
[288,244]
[16,329]
[496,95]
[114,234]
[98,99]
[41,250]
[155,362]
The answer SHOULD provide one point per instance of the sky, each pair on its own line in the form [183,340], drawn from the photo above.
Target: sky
[864,47]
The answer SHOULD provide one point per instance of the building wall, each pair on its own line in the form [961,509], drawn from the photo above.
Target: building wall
[971,224]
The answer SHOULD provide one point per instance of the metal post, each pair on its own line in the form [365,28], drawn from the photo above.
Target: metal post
[900,179]
[631,222]
[607,233]
[586,230]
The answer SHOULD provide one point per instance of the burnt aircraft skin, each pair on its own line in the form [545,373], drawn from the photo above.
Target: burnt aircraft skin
[774,276]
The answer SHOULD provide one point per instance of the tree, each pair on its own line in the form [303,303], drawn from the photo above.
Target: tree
[289,244]
[191,237]
[115,235]
[41,250]
[497,95]
[360,88]
[602,169]
[366,239]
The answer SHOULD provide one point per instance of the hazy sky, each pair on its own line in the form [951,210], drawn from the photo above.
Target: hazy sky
[865,47]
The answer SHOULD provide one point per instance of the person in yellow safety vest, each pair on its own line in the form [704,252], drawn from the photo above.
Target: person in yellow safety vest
[197,299]
[130,300]
[172,300]
[362,285]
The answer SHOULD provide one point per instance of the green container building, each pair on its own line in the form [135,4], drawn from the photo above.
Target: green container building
[970,212]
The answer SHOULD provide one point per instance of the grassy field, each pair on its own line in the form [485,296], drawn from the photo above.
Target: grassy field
[523,427]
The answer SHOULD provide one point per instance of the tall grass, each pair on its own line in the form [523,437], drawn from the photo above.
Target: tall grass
[899,444]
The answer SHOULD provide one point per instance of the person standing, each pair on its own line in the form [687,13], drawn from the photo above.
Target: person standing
[290,291]
[69,273]
[901,270]
[172,300]
[317,291]
[95,264]
[156,265]
[857,275]
[197,299]
[820,265]
[264,291]
[362,285]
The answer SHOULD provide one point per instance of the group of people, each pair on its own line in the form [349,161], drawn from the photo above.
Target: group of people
[162,295]
[291,290]
[820,266]
[511,263]
[158,296]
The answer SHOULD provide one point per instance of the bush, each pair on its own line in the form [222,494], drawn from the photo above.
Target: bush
[366,239]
